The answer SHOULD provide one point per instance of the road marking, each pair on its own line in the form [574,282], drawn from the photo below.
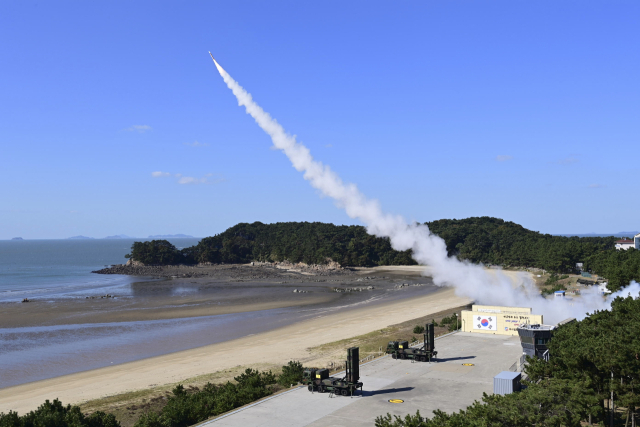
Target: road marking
[396,401]
[468,364]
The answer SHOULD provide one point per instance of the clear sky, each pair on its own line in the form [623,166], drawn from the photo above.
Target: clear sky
[523,110]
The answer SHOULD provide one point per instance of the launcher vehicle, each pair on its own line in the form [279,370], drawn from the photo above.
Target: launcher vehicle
[402,350]
[320,381]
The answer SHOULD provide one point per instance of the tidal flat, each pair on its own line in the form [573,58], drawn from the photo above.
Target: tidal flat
[176,310]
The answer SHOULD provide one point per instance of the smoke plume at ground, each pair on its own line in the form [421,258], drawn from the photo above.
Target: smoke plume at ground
[469,280]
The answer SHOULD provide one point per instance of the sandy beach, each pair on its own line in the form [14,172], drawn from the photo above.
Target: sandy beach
[274,347]
[324,309]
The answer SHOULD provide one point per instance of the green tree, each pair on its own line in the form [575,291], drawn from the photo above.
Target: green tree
[156,252]
[291,374]
[55,414]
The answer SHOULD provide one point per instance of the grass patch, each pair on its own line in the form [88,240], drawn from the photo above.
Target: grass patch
[375,342]
[129,406]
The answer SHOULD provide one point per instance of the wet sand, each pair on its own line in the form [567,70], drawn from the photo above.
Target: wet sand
[47,338]
[167,328]
[160,299]
[276,346]
[218,290]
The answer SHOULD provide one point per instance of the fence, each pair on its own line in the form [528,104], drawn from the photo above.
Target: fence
[519,365]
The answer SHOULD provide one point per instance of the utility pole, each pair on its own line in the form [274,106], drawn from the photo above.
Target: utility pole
[612,405]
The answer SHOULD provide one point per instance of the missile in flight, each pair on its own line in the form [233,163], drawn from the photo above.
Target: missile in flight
[216,62]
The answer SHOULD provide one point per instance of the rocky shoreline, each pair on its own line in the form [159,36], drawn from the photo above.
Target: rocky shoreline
[252,271]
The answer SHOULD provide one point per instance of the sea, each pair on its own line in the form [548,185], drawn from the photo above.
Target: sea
[55,271]
[52,271]
[62,268]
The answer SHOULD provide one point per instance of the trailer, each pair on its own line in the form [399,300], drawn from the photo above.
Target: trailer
[319,380]
[426,353]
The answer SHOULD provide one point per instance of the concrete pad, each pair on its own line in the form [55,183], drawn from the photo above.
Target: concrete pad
[447,385]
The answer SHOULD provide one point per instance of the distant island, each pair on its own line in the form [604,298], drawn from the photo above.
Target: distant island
[17,238]
[171,236]
[124,236]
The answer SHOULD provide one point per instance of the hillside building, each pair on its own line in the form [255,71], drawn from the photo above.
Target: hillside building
[624,244]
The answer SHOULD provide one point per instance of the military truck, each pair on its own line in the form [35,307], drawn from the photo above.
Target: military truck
[319,380]
[402,350]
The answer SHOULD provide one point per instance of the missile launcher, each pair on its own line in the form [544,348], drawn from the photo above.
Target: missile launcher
[402,350]
[320,381]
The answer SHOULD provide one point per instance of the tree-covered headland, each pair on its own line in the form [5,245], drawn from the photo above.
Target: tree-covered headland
[480,240]
[308,242]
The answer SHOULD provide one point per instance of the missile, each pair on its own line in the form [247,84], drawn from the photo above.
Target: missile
[220,70]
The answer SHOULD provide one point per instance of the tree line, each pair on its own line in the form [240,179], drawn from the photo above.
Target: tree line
[183,408]
[619,267]
[307,242]
[590,361]
[480,240]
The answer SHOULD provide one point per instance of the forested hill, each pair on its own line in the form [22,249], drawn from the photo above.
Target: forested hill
[481,239]
[308,242]
[495,241]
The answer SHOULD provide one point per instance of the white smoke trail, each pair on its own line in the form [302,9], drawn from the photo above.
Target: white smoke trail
[469,280]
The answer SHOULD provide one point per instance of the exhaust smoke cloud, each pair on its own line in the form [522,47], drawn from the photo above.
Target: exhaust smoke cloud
[491,287]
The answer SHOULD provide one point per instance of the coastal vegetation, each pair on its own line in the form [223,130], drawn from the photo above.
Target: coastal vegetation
[310,243]
[147,405]
[182,408]
[486,240]
[555,283]
[619,267]
[156,252]
[495,241]
[185,408]
[591,361]
[482,239]
[55,414]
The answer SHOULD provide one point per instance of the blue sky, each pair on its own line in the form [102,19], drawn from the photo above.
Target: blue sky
[527,111]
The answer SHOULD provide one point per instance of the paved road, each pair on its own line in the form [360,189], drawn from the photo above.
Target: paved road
[446,385]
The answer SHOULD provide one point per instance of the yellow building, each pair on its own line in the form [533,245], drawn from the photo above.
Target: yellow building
[490,319]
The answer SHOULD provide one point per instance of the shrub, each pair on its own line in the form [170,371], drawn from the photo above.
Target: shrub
[452,321]
[55,414]
[186,408]
[418,329]
[291,374]
[156,252]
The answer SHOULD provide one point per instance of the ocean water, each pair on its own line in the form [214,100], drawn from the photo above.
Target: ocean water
[37,353]
[57,271]
[62,268]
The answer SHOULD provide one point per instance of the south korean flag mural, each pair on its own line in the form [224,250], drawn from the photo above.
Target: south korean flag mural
[487,323]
